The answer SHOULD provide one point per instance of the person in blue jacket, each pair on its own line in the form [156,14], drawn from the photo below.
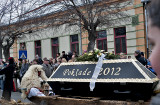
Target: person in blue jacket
[150,67]
[8,82]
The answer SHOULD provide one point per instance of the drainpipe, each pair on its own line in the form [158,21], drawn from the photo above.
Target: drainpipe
[80,36]
[146,24]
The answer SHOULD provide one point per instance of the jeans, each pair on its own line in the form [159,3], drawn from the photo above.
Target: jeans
[2,84]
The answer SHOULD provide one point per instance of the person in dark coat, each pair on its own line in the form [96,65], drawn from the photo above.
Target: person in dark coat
[64,55]
[24,68]
[40,62]
[47,67]
[8,82]
[137,55]
[142,55]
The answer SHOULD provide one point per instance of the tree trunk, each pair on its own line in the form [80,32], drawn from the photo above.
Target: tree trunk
[1,50]
[92,40]
[6,53]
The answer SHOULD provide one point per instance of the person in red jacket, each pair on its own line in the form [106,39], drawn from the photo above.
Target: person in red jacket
[8,82]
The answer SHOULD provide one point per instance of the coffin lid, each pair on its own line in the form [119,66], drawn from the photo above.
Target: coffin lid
[121,70]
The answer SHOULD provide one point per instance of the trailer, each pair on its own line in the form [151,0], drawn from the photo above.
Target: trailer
[77,100]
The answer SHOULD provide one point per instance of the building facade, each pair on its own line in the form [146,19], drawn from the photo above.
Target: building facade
[125,37]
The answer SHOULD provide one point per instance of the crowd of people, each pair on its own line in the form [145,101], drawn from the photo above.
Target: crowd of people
[9,69]
[51,64]
[141,58]
[18,70]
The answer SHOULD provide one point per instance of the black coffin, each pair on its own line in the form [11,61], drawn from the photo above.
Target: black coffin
[118,79]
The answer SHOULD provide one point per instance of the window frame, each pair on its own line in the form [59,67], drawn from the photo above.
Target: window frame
[101,39]
[38,47]
[54,45]
[74,43]
[121,36]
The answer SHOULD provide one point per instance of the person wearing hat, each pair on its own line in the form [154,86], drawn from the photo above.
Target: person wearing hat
[8,82]
[137,55]
[47,67]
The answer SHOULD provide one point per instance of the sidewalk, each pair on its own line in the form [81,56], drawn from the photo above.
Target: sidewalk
[16,96]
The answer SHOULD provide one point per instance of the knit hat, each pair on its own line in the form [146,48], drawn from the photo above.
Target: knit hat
[137,51]
[11,60]
[45,59]
[142,53]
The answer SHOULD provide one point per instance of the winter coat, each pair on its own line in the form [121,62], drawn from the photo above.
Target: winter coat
[65,56]
[31,79]
[8,83]
[8,71]
[24,68]
[151,69]
[142,60]
[47,69]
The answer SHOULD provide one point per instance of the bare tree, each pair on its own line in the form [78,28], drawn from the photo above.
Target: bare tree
[92,14]
[8,33]
[13,15]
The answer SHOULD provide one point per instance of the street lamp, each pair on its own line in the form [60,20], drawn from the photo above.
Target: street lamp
[146,24]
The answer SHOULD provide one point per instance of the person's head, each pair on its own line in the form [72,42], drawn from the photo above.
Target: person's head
[73,56]
[142,54]
[59,62]
[54,61]
[122,56]
[58,54]
[129,57]
[60,59]
[137,53]
[154,33]
[36,57]
[74,52]
[51,59]
[24,61]
[20,60]
[3,62]
[112,52]
[11,60]
[64,60]
[45,61]
[35,62]
[63,52]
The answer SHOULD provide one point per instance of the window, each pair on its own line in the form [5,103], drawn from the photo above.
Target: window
[120,40]
[38,48]
[55,47]
[74,43]
[102,40]
[22,46]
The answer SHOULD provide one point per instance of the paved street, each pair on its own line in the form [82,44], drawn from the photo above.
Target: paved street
[17,96]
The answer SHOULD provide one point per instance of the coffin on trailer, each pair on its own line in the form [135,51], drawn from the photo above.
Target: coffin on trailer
[118,79]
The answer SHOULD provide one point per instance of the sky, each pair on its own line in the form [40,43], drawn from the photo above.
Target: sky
[24,6]
[13,9]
